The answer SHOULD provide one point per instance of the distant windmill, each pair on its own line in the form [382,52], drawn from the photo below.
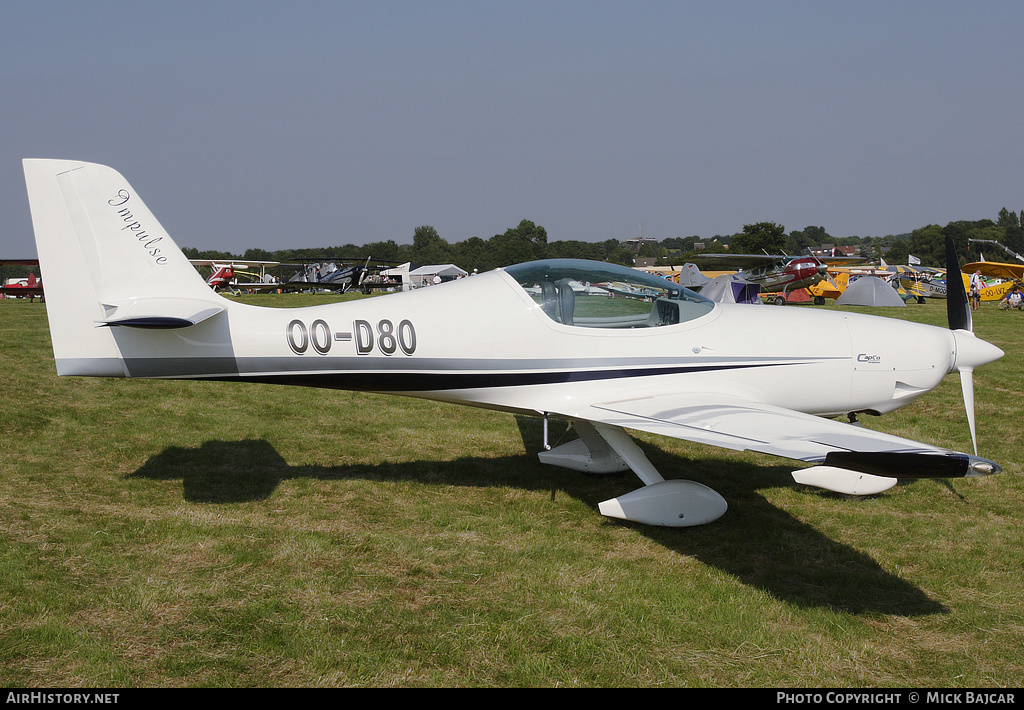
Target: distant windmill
[639,242]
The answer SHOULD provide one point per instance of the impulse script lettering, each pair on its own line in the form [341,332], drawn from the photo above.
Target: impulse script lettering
[148,241]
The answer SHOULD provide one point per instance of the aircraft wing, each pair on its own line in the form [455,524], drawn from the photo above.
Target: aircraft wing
[752,261]
[232,263]
[257,286]
[1011,272]
[21,290]
[743,425]
[310,286]
[288,286]
[737,261]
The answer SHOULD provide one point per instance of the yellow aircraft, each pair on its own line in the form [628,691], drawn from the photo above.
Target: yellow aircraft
[919,282]
[1007,276]
[839,278]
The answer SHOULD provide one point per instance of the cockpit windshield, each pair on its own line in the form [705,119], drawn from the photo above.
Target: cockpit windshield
[593,294]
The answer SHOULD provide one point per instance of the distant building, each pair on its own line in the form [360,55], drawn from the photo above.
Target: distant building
[833,250]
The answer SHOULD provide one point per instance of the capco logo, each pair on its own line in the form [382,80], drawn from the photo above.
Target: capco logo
[869,358]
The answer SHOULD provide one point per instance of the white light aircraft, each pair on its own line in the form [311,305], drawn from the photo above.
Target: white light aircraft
[123,301]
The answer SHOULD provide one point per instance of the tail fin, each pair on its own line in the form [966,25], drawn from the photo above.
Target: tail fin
[107,264]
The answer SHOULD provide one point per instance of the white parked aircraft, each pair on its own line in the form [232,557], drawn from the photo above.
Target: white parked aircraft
[123,301]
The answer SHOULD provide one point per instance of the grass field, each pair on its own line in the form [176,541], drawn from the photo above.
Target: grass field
[214,534]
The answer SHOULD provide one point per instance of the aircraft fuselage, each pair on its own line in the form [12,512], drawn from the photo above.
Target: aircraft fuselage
[483,340]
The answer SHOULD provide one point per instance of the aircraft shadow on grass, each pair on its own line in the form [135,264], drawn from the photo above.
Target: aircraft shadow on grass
[756,542]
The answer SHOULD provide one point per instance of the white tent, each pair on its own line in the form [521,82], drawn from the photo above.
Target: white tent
[424,275]
[398,275]
[870,291]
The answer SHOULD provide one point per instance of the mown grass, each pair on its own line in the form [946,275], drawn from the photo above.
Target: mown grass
[211,534]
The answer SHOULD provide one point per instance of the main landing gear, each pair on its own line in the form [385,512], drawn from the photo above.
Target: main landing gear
[603,448]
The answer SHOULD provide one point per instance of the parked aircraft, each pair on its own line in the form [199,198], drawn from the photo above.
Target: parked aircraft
[330,274]
[840,277]
[1005,277]
[832,286]
[920,282]
[775,273]
[224,274]
[220,279]
[124,302]
[325,275]
[31,288]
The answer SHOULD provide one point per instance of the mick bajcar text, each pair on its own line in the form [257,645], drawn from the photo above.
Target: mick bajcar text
[929,697]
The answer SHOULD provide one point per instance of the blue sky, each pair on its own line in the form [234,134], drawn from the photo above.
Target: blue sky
[305,124]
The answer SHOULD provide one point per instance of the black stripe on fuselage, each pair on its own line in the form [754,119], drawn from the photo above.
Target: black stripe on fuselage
[398,381]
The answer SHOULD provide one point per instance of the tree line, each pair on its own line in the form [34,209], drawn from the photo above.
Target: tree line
[527,241]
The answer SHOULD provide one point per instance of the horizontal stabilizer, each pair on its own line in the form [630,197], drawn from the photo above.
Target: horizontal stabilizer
[912,465]
[159,312]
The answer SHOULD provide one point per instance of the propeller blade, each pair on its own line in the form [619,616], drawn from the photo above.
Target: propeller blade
[967,385]
[971,352]
[958,313]
[958,309]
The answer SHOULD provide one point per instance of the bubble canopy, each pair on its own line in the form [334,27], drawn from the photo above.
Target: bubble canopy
[595,294]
